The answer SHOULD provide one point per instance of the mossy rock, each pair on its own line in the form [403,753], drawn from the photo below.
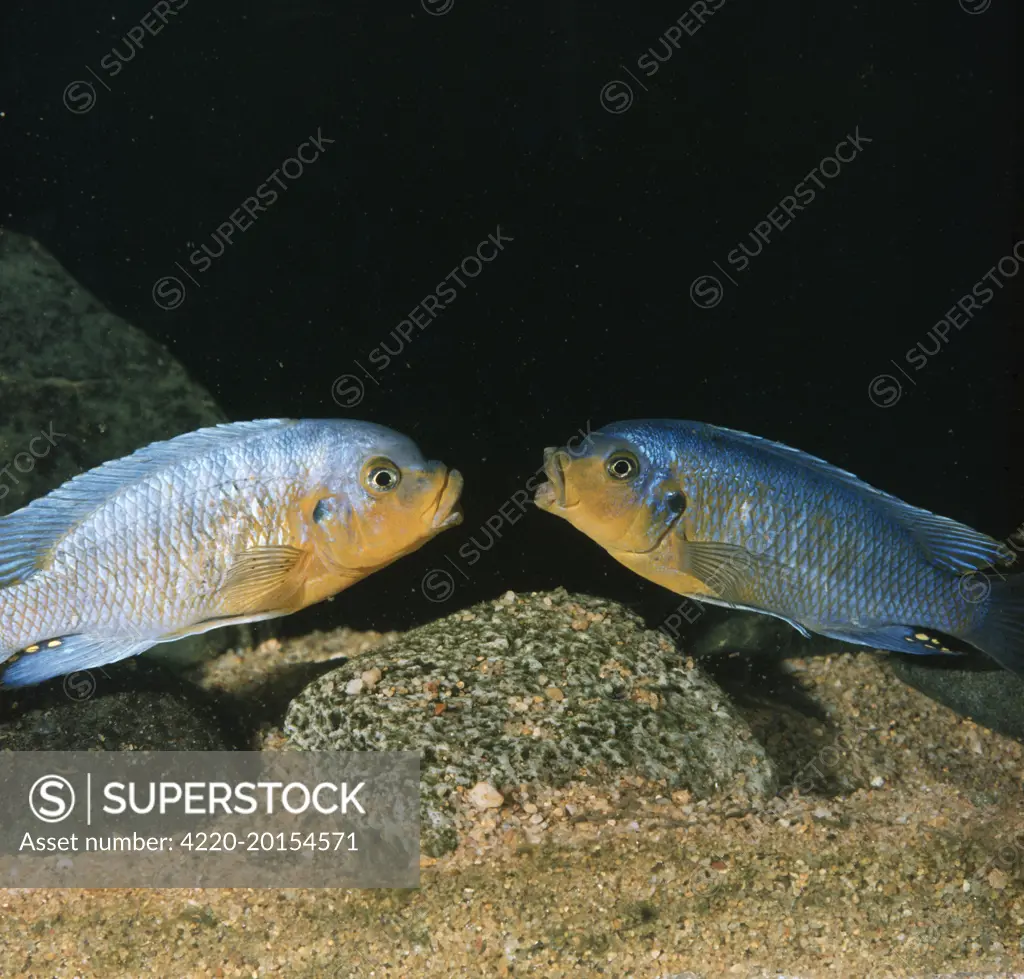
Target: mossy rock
[536,689]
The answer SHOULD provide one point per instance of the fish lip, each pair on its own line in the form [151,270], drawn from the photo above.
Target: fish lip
[552,493]
[447,509]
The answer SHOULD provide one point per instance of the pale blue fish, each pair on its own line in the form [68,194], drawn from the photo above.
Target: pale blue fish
[224,525]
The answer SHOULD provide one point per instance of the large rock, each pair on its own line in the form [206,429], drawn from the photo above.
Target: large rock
[988,695]
[71,368]
[535,689]
[133,706]
[80,386]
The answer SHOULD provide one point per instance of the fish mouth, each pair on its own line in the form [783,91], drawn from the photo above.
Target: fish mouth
[551,494]
[447,510]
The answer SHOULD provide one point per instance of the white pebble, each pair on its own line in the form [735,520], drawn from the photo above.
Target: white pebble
[483,795]
[371,678]
[877,782]
[353,687]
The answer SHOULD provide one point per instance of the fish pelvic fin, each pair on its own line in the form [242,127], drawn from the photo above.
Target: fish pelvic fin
[67,654]
[1001,633]
[739,606]
[219,622]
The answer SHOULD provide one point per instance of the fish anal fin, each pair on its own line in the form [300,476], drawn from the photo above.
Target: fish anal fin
[261,578]
[917,640]
[67,654]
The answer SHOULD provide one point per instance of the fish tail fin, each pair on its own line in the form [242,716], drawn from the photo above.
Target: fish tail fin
[1001,632]
[68,654]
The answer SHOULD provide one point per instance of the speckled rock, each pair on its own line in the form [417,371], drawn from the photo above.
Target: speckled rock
[80,386]
[134,706]
[475,694]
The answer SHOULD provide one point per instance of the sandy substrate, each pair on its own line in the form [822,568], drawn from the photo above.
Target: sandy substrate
[899,853]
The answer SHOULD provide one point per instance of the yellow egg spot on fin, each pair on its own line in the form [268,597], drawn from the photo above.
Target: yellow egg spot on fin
[34,648]
[932,642]
[52,643]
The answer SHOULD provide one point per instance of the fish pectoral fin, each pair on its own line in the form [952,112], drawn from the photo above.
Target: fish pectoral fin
[68,654]
[259,576]
[732,572]
[895,638]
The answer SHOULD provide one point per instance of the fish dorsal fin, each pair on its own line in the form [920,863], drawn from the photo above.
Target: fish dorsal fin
[949,544]
[952,545]
[28,536]
[258,575]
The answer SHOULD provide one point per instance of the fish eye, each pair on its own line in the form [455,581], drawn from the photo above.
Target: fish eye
[622,466]
[382,476]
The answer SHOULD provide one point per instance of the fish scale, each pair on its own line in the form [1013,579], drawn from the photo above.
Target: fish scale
[814,592]
[165,515]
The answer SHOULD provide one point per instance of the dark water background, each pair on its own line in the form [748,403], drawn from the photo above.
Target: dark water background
[445,126]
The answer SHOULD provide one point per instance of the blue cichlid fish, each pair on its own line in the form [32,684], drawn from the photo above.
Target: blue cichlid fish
[735,520]
[224,525]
